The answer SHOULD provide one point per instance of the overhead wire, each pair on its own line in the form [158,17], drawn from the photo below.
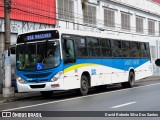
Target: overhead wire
[79,18]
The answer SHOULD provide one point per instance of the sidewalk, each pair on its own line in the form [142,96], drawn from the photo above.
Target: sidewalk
[19,96]
[24,96]
[150,78]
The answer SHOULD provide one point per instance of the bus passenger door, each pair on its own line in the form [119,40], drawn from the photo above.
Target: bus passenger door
[70,72]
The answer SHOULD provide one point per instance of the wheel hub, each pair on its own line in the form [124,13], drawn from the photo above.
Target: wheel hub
[84,85]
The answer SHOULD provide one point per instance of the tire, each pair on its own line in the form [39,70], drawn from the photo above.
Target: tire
[131,81]
[47,94]
[84,85]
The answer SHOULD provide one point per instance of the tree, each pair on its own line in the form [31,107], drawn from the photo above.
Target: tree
[83,4]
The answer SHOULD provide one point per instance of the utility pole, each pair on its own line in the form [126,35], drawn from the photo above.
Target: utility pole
[8,91]
[7,10]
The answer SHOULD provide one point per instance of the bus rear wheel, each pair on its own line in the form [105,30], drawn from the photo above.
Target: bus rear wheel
[84,85]
[131,81]
[47,94]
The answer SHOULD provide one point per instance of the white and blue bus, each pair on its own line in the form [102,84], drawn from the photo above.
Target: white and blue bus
[59,59]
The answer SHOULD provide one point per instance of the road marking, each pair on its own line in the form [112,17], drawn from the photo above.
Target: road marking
[117,106]
[77,98]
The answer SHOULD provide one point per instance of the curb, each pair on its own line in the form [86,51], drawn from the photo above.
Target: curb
[20,97]
[152,78]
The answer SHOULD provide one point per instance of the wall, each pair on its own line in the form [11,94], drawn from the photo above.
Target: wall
[145,8]
[145,5]
[24,26]
[41,11]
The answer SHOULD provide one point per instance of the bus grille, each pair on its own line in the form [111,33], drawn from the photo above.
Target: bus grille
[38,81]
[41,75]
[37,86]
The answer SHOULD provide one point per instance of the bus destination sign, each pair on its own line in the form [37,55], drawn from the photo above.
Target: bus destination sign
[36,36]
[39,36]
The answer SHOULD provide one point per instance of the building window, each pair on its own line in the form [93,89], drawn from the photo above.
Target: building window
[109,18]
[89,14]
[65,9]
[125,21]
[139,24]
[151,27]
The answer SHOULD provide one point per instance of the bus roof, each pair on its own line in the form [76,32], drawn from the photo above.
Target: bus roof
[101,34]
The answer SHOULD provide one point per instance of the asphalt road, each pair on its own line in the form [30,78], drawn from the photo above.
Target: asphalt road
[143,97]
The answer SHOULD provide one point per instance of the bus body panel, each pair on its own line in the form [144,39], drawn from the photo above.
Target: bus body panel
[98,73]
[102,71]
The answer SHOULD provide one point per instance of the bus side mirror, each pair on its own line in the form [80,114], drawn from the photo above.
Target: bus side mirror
[157,62]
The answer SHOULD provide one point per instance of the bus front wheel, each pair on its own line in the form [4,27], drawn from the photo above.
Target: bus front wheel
[131,81]
[84,85]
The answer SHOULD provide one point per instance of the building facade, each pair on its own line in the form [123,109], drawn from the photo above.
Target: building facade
[131,19]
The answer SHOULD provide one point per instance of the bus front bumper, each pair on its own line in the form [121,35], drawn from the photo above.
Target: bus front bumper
[47,86]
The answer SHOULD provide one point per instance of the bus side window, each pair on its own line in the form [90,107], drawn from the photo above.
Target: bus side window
[126,49]
[93,47]
[69,54]
[143,50]
[135,49]
[81,46]
[117,48]
[105,45]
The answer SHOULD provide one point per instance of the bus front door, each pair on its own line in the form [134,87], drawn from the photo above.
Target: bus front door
[71,80]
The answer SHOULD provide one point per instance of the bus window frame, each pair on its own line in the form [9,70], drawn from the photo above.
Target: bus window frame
[77,37]
[64,39]
[98,56]
[112,46]
[108,48]
[123,48]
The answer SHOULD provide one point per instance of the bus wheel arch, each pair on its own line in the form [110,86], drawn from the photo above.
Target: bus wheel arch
[84,83]
[132,70]
[131,80]
[88,77]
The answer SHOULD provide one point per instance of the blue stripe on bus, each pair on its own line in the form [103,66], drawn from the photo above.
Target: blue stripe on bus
[122,64]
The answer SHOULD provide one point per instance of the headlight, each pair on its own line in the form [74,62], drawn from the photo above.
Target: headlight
[56,76]
[21,80]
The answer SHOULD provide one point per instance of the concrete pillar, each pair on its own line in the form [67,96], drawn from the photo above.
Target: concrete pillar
[1,50]
[8,91]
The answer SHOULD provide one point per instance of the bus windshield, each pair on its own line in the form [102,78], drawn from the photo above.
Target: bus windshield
[38,56]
